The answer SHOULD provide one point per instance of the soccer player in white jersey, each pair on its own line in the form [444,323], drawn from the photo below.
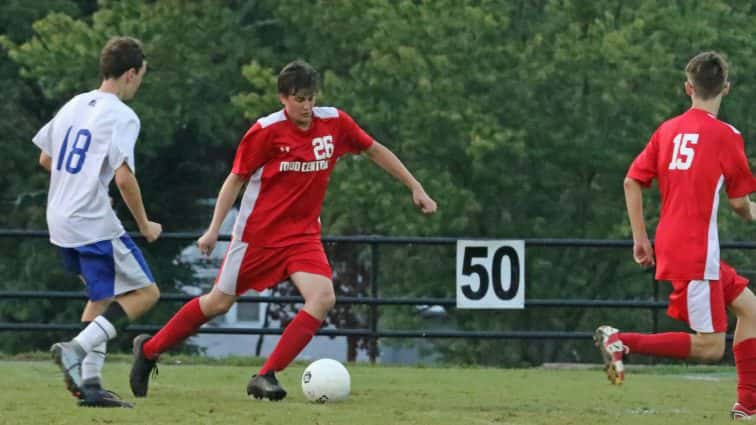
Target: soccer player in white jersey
[88,143]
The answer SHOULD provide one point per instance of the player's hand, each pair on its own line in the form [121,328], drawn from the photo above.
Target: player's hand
[643,253]
[423,201]
[151,230]
[206,242]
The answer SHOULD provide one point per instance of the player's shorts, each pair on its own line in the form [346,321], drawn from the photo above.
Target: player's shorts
[246,267]
[109,268]
[702,303]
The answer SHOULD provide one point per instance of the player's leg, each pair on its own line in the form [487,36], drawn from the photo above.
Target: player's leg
[91,366]
[93,261]
[182,325]
[700,303]
[113,314]
[188,319]
[120,287]
[308,269]
[319,297]
[317,290]
[92,392]
[744,349]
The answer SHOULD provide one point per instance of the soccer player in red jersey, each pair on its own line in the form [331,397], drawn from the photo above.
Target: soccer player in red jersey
[692,156]
[286,159]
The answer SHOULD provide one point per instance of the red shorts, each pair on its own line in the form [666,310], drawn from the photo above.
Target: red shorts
[702,303]
[246,267]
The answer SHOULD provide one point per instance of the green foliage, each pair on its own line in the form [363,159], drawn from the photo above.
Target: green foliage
[189,130]
[520,118]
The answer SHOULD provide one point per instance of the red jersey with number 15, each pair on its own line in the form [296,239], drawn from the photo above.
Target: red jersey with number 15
[692,156]
[288,170]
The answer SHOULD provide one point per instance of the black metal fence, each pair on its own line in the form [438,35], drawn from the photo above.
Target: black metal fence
[373,332]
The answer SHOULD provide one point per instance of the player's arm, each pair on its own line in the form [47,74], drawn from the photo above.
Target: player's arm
[226,198]
[43,140]
[738,179]
[744,207]
[129,187]
[387,160]
[642,250]
[45,161]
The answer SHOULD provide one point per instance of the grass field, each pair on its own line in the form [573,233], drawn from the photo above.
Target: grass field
[182,394]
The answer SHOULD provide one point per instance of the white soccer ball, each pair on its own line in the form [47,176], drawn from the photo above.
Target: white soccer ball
[326,380]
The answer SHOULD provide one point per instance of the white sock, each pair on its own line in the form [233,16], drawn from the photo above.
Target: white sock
[99,331]
[91,366]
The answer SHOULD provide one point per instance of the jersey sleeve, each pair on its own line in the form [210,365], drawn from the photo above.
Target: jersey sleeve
[643,168]
[125,134]
[355,139]
[253,151]
[739,180]
[43,138]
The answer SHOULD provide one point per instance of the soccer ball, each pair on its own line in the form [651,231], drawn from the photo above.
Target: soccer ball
[326,380]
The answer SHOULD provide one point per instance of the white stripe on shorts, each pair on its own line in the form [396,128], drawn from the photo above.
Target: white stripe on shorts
[128,273]
[229,273]
[699,306]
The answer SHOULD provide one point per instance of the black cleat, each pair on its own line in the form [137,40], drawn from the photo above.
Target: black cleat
[139,377]
[93,395]
[265,386]
[68,357]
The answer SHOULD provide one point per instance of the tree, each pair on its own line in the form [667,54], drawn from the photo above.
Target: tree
[524,117]
[188,134]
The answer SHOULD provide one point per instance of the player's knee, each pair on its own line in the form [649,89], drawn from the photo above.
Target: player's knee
[153,292]
[325,299]
[713,352]
[148,295]
[746,315]
[219,306]
[331,301]
[328,299]
[216,303]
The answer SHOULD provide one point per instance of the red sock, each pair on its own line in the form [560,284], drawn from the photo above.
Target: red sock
[745,364]
[182,325]
[670,344]
[293,340]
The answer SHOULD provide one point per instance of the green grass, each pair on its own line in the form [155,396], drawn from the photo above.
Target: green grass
[213,393]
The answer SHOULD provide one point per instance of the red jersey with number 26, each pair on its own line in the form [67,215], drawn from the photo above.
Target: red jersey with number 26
[288,170]
[692,156]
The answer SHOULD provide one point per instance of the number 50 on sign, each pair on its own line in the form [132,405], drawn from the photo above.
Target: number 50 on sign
[490,274]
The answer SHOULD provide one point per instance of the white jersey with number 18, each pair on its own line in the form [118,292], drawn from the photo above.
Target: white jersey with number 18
[88,139]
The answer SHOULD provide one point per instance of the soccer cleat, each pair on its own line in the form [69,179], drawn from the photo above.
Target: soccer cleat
[139,377]
[265,386]
[93,395]
[742,413]
[612,350]
[68,357]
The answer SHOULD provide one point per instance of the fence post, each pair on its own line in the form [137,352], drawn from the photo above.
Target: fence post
[373,315]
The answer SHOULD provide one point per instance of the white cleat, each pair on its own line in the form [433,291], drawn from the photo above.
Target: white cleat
[612,351]
[68,357]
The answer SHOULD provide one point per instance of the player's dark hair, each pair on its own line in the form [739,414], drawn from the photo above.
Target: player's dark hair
[119,55]
[707,72]
[296,76]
